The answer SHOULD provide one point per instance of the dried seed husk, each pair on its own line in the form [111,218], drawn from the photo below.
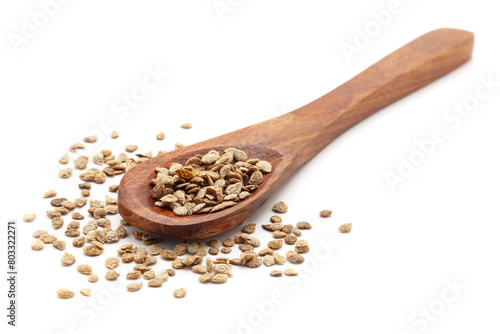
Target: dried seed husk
[345,228]
[65,293]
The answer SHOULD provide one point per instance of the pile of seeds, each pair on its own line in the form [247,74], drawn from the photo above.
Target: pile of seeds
[208,183]
[208,180]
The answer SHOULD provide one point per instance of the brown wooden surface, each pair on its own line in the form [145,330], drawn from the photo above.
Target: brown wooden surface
[290,140]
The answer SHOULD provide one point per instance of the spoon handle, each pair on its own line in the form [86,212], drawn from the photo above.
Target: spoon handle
[307,130]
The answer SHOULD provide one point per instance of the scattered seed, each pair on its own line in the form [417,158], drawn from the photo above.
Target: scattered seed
[79,242]
[38,233]
[114,135]
[155,283]
[294,258]
[112,262]
[205,278]
[92,251]
[65,173]
[57,222]
[325,213]
[345,228]
[275,244]
[47,238]
[219,278]
[65,293]
[93,278]
[280,207]
[132,287]
[290,239]
[186,126]
[279,259]
[276,273]
[291,272]
[81,162]
[180,293]
[29,217]
[160,136]
[37,245]
[268,260]
[111,275]
[303,225]
[276,219]
[68,259]
[84,269]
[50,193]
[163,275]
[90,139]
[249,229]
[131,148]
[85,292]
[64,159]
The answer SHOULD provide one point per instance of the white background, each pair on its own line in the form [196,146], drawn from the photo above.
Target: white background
[257,61]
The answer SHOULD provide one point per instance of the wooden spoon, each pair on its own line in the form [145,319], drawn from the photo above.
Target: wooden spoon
[290,140]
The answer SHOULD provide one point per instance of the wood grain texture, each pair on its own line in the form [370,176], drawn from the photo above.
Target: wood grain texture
[290,140]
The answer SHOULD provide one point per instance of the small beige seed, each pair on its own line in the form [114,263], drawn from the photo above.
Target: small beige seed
[29,217]
[303,225]
[114,135]
[47,238]
[163,275]
[155,283]
[112,262]
[65,173]
[160,136]
[59,244]
[131,148]
[65,293]
[325,213]
[345,228]
[85,292]
[149,275]
[84,269]
[249,229]
[180,293]
[90,139]
[64,159]
[205,278]
[132,287]
[68,259]
[37,245]
[276,219]
[111,275]
[38,233]
[186,126]
[291,272]
[280,207]
[276,273]
[219,278]
[50,193]
[178,145]
[93,278]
